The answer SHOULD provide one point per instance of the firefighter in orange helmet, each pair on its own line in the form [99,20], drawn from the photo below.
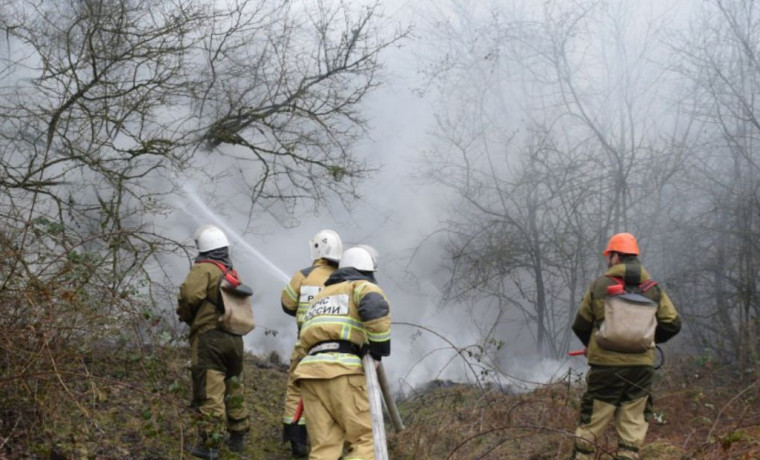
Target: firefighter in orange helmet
[619,384]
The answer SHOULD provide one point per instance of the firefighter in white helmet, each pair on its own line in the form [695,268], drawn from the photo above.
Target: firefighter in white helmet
[348,318]
[217,355]
[326,249]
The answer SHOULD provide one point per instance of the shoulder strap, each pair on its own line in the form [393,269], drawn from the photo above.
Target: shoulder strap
[227,273]
[215,262]
[647,285]
[620,286]
[632,275]
[617,288]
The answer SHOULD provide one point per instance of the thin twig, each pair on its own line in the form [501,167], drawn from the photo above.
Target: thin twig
[5,440]
[722,409]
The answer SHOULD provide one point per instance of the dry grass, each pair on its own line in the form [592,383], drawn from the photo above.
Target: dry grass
[123,404]
[463,422]
[702,412]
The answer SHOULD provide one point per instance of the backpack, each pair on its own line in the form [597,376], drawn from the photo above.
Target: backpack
[630,319]
[235,305]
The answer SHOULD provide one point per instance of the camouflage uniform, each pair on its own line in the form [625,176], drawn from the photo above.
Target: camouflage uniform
[216,355]
[303,287]
[349,315]
[619,384]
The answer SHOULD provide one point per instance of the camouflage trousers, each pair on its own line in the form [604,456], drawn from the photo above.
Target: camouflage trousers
[217,367]
[622,394]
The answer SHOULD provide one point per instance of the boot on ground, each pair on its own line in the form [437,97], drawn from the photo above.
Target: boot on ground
[237,441]
[201,451]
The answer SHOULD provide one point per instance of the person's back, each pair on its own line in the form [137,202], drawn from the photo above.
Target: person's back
[334,317]
[198,297]
[619,383]
[348,318]
[217,354]
[304,286]
[591,315]
[326,249]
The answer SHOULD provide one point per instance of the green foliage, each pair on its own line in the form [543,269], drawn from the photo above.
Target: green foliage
[733,436]
[173,387]
[43,225]
[337,172]
[704,359]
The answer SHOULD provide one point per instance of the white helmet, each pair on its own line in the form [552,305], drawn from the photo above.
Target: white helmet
[326,244]
[362,257]
[372,252]
[209,237]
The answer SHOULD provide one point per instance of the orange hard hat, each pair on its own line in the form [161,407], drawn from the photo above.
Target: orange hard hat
[624,243]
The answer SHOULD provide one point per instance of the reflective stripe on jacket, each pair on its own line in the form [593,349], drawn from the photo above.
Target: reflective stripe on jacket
[303,287]
[355,311]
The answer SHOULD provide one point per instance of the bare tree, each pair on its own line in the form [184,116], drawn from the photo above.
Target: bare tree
[106,99]
[106,106]
[719,56]
[83,139]
[586,158]
[281,100]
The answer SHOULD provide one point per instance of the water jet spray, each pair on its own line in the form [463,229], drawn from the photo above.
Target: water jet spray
[273,269]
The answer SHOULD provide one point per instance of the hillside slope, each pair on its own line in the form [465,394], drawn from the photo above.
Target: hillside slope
[700,413]
[128,404]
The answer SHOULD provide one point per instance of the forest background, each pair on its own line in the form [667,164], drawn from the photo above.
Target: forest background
[487,149]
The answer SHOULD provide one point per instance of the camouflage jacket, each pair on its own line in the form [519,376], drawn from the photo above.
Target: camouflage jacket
[591,314]
[197,296]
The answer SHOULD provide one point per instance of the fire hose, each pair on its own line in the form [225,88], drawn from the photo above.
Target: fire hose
[390,403]
[657,365]
[375,408]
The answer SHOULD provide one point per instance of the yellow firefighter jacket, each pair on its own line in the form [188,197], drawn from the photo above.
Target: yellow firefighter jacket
[303,287]
[591,314]
[350,308]
[197,296]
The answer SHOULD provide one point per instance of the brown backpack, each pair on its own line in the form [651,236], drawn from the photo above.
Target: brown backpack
[630,319]
[235,305]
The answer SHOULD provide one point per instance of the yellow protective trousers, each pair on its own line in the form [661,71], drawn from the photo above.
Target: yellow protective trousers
[337,414]
[293,393]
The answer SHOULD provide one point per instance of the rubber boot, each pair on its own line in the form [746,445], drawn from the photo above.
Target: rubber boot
[298,449]
[581,455]
[627,454]
[298,442]
[201,451]
[205,448]
[237,441]
[296,434]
